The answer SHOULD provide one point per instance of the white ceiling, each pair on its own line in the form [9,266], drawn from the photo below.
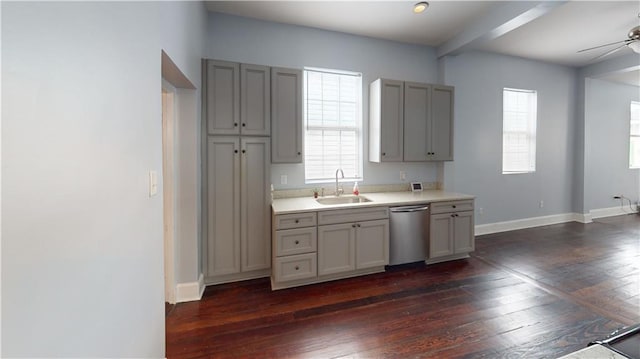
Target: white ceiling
[551,31]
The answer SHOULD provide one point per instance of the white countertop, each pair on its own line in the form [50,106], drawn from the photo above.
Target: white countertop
[309,204]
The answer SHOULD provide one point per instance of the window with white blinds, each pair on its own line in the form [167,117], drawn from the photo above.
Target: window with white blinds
[634,136]
[519,113]
[333,124]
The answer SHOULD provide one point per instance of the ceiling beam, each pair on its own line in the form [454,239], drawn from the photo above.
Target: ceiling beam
[499,20]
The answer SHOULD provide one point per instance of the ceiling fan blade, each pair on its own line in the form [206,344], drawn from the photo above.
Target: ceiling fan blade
[608,53]
[613,43]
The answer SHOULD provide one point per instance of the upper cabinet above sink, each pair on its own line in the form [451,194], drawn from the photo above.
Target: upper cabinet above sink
[342,200]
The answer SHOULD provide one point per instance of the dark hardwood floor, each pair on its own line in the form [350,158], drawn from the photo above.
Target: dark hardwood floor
[534,293]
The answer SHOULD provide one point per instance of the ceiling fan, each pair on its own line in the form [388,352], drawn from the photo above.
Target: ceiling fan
[632,42]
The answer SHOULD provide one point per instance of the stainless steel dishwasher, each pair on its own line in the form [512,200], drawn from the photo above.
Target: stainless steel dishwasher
[409,234]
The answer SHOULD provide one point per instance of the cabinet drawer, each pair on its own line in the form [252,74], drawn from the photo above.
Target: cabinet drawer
[296,241]
[453,206]
[295,267]
[352,215]
[295,220]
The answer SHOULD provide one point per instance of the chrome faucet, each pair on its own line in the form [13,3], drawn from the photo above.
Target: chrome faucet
[339,191]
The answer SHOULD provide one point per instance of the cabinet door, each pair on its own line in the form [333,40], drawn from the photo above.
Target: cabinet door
[442,123]
[372,243]
[222,254]
[255,203]
[222,89]
[417,122]
[441,235]
[255,100]
[391,120]
[336,248]
[463,232]
[286,115]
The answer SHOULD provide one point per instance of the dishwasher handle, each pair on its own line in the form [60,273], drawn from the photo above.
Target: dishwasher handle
[408,209]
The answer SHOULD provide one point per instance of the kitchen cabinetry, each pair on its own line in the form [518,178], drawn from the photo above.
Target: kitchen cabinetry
[294,247]
[345,243]
[428,124]
[410,121]
[237,206]
[286,107]
[386,120]
[238,99]
[451,231]
[353,239]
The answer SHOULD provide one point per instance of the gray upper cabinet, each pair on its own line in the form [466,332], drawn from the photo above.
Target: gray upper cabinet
[286,115]
[442,123]
[222,86]
[410,121]
[238,99]
[386,120]
[255,100]
[417,124]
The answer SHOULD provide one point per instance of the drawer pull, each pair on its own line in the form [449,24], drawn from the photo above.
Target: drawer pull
[454,206]
[297,267]
[297,242]
[353,226]
[297,221]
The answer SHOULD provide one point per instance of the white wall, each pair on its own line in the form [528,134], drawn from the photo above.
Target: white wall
[606,121]
[479,79]
[252,41]
[82,261]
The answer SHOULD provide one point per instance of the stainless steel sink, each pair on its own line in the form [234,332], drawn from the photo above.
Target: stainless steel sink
[342,200]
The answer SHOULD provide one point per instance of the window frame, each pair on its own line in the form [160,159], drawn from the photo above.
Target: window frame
[358,129]
[633,104]
[530,132]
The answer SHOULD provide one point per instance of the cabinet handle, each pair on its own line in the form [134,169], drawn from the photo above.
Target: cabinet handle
[244,125]
[454,206]
[353,226]
[358,225]
[453,215]
[297,267]
[299,153]
[243,151]
[384,153]
[235,124]
[297,242]
[235,151]
[297,221]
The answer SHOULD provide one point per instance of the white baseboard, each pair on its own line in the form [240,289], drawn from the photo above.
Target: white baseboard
[612,211]
[527,223]
[548,220]
[191,291]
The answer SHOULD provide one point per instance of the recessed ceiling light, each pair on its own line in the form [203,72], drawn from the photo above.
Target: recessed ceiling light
[420,7]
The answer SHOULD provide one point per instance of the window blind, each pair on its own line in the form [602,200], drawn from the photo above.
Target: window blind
[519,131]
[333,125]
[634,135]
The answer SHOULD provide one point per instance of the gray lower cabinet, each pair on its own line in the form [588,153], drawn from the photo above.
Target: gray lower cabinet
[286,115]
[238,199]
[350,246]
[345,243]
[451,233]
[237,98]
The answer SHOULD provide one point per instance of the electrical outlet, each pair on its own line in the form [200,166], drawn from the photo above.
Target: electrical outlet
[541,204]
[283,179]
[480,211]
[403,176]
[153,183]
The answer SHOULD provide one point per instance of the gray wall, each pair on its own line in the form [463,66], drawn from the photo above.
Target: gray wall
[479,79]
[247,40]
[82,257]
[606,123]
